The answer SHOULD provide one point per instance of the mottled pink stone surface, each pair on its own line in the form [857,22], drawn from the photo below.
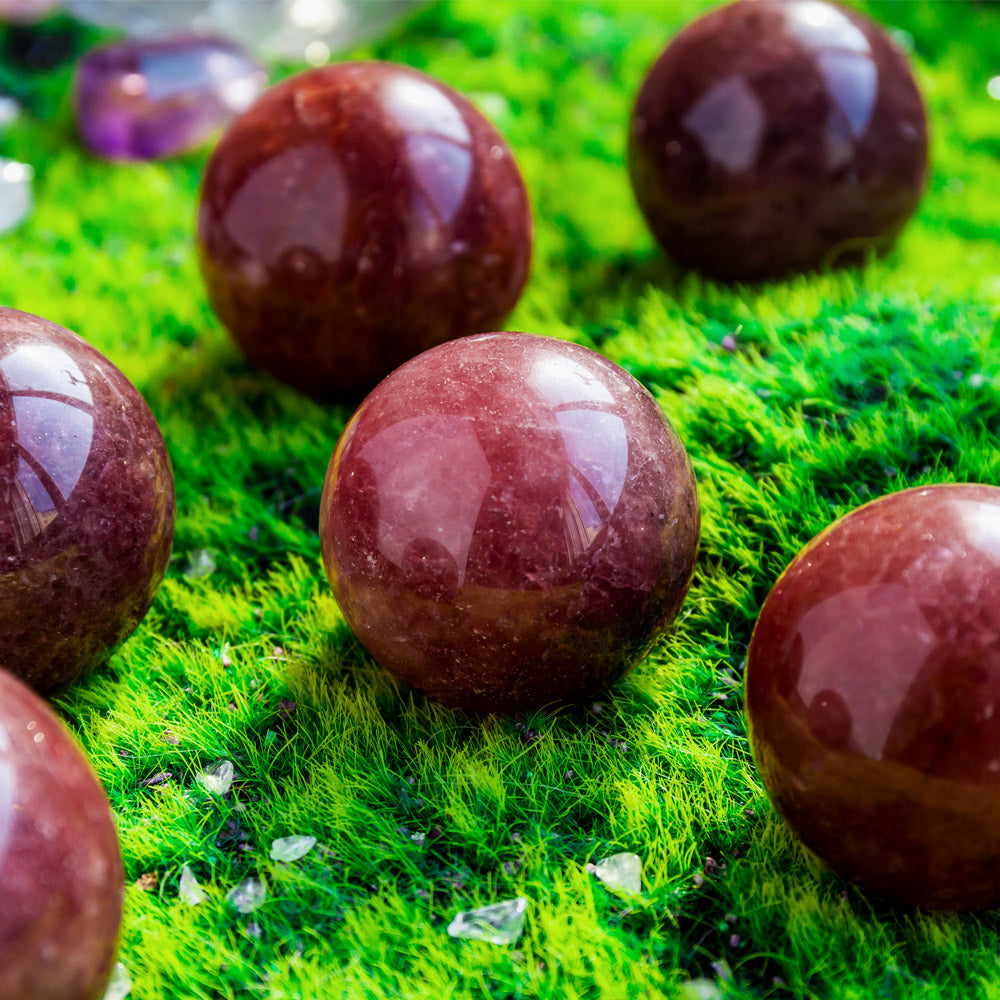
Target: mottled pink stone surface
[86,503]
[357,215]
[143,99]
[873,695]
[774,136]
[61,881]
[508,521]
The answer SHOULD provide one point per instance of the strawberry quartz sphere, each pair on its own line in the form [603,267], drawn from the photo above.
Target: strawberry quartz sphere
[775,136]
[355,216]
[60,868]
[509,520]
[86,503]
[873,695]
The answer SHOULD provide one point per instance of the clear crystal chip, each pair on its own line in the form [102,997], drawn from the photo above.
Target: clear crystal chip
[498,923]
[247,896]
[620,873]
[120,985]
[10,110]
[190,891]
[283,29]
[291,848]
[15,193]
[217,778]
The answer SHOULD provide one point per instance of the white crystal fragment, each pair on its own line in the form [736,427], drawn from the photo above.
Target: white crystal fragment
[201,563]
[498,923]
[620,873]
[280,29]
[190,891]
[247,896]
[15,193]
[10,110]
[120,985]
[217,778]
[291,848]
[699,989]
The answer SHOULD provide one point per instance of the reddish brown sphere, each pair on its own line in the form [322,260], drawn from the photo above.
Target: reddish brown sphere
[61,880]
[508,521]
[355,216]
[873,695]
[774,136]
[86,503]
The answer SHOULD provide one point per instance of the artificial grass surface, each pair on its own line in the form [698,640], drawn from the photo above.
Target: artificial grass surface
[842,387]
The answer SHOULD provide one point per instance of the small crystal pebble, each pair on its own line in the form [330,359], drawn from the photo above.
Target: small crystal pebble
[201,563]
[291,848]
[498,923]
[143,100]
[15,193]
[620,873]
[120,985]
[699,989]
[218,778]
[190,891]
[284,29]
[247,896]
[10,110]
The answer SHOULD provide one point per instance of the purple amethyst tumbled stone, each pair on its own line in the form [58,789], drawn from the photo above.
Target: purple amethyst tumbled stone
[143,100]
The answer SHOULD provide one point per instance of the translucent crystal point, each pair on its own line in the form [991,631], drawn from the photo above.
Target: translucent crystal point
[189,889]
[217,778]
[120,985]
[288,29]
[247,896]
[291,848]
[15,193]
[620,873]
[498,923]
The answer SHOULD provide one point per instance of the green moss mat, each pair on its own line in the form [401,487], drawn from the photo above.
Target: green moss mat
[844,387]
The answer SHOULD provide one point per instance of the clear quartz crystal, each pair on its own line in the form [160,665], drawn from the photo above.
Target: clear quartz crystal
[10,110]
[201,563]
[498,923]
[217,778]
[291,848]
[120,985]
[190,891]
[247,896]
[620,873]
[15,193]
[288,29]
[699,989]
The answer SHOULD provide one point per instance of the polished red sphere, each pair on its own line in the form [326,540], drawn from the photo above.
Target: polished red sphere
[775,136]
[873,695]
[355,216]
[509,520]
[86,503]
[61,881]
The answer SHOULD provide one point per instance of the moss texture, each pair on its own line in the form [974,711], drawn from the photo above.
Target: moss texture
[841,387]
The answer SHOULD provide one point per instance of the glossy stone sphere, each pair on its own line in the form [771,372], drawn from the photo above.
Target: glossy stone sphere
[86,503]
[508,521]
[356,215]
[774,136]
[873,695]
[60,868]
